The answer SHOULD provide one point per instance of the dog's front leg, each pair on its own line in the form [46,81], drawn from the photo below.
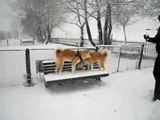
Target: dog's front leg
[99,65]
[88,66]
[91,66]
[73,68]
[57,67]
[56,70]
[74,63]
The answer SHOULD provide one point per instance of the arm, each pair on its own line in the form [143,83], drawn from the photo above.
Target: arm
[155,39]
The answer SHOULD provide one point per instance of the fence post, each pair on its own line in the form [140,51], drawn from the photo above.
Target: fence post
[33,41]
[119,58]
[28,67]
[7,43]
[141,56]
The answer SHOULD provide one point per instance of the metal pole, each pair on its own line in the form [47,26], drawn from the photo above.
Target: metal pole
[96,48]
[77,45]
[141,56]
[20,42]
[28,67]
[33,41]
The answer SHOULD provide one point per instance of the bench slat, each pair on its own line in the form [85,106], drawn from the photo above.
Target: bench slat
[76,75]
[49,67]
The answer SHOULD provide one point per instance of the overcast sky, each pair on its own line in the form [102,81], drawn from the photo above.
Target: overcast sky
[5,15]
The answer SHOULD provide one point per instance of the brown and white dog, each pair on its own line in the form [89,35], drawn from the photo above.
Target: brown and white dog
[69,55]
[96,57]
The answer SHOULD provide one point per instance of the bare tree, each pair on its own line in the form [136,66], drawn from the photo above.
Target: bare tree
[41,16]
[15,27]
[123,17]
[87,24]
[97,10]
[85,9]
[52,16]
[126,10]
[75,9]
[79,9]
[2,35]
[102,9]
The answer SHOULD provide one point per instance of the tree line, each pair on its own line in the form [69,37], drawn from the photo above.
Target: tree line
[5,35]
[40,18]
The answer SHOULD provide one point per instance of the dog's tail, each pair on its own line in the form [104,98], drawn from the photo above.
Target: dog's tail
[105,52]
[58,51]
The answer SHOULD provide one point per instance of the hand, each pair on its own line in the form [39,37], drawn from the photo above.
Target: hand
[146,37]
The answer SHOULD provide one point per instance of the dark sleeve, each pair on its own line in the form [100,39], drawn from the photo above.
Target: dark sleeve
[155,39]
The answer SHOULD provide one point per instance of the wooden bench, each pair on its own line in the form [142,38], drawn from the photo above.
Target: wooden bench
[47,67]
[26,42]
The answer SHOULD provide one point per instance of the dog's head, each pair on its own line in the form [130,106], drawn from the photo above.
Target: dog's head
[85,54]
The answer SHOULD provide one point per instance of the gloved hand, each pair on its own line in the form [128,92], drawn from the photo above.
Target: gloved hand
[146,37]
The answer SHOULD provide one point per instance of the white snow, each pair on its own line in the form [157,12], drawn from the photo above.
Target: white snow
[125,95]
[77,74]
[121,96]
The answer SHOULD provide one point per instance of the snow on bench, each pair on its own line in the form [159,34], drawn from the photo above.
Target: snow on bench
[27,41]
[48,69]
[77,74]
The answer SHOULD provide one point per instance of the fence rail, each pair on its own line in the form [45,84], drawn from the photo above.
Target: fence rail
[149,48]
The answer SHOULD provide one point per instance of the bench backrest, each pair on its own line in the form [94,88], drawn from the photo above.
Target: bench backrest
[48,66]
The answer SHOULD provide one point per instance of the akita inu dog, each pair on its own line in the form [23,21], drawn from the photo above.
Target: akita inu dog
[96,57]
[69,55]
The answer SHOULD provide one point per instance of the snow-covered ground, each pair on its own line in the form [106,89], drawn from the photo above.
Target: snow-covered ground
[121,96]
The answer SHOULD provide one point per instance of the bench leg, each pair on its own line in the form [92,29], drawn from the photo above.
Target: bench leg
[46,85]
[98,78]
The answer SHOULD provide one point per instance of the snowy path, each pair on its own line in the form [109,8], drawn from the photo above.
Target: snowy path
[121,96]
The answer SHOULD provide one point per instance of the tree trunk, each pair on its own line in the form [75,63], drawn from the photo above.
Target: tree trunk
[45,36]
[39,36]
[82,36]
[105,29]
[124,32]
[89,34]
[49,30]
[108,26]
[87,25]
[99,24]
